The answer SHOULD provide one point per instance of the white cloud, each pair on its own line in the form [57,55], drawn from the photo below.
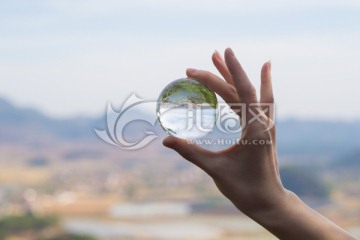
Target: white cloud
[53,61]
[308,72]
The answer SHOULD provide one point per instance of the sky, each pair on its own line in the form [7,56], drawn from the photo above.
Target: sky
[71,57]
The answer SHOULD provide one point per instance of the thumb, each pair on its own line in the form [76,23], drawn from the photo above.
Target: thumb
[199,156]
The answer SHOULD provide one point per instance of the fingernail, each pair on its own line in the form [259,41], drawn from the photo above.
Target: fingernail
[217,54]
[169,142]
[231,52]
[269,64]
[191,70]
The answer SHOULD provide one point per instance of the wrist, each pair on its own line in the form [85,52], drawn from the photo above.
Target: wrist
[273,208]
[279,208]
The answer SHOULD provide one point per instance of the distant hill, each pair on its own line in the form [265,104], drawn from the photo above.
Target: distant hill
[295,137]
[350,160]
[334,138]
[304,181]
[29,125]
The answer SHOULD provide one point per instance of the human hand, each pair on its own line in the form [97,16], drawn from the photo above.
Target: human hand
[247,174]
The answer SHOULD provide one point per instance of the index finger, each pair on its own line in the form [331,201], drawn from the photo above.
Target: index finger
[246,92]
[245,89]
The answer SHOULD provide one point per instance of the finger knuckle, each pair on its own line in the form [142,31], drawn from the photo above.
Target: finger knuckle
[248,93]
[255,132]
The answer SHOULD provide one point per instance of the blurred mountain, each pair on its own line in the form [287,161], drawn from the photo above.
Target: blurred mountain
[350,160]
[332,139]
[304,181]
[29,125]
[25,125]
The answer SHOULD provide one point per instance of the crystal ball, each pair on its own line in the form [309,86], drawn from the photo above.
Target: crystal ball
[187,109]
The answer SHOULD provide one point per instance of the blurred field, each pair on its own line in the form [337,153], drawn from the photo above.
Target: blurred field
[83,192]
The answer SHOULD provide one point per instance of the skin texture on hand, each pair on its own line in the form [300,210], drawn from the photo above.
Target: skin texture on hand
[248,174]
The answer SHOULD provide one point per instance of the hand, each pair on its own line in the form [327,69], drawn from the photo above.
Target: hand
[247,174]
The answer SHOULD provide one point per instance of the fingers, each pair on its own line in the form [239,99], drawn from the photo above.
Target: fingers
[245,89]
[202,158]
[266,91]
[225,90]
[221,67]
[267,97]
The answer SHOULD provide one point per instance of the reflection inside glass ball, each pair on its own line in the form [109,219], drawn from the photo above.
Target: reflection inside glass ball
[186,108]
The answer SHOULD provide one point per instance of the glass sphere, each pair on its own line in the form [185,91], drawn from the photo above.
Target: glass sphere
[186,109]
